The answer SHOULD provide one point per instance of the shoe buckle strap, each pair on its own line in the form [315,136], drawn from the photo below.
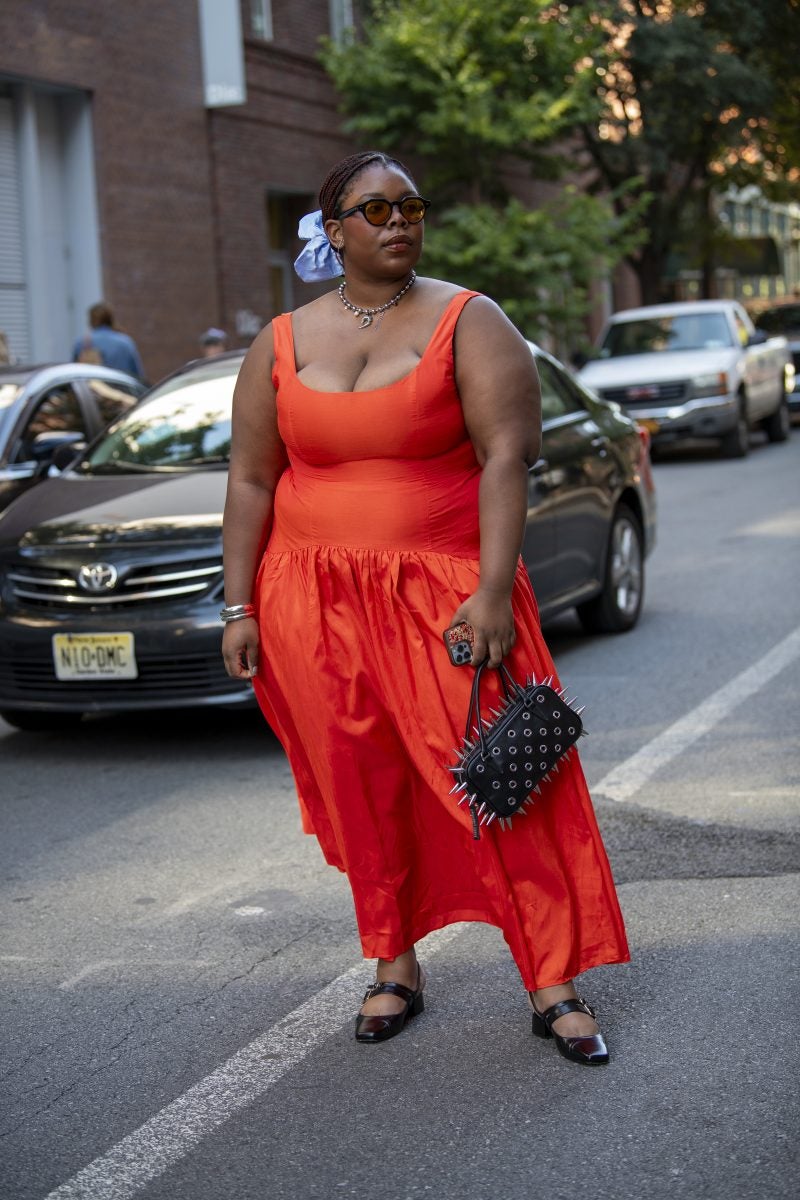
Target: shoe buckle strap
[390,989]
[567,1006]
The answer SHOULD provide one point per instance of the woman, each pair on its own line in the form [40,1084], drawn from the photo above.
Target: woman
[382,436]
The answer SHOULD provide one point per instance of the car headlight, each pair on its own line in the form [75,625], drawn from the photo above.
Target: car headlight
[710,385]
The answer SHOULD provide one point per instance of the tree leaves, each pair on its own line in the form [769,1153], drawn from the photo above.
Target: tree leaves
[476,94]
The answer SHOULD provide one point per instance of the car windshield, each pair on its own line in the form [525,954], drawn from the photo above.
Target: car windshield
[685,331]
[184,423]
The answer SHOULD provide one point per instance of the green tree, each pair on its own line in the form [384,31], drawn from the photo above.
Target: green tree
[697,96]
[476,94]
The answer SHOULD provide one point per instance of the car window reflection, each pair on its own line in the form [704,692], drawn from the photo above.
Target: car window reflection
[169,431]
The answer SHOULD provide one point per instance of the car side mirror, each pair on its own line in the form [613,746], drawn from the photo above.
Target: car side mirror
[67,447]
[757,338]
[45,445]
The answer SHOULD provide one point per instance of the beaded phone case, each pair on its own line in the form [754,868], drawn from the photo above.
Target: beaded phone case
[459,640]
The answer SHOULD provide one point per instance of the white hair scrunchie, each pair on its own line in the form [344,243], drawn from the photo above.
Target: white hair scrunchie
[317,260]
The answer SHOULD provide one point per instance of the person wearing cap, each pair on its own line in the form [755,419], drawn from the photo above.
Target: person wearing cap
[213,342]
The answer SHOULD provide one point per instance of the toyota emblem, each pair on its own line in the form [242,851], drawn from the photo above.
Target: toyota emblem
[97,577]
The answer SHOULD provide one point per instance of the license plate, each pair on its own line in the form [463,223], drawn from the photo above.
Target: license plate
[94,656]
[649,423]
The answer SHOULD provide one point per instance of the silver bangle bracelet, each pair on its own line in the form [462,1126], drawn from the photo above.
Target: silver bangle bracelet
[236,612]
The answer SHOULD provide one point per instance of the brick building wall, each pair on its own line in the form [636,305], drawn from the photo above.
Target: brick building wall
[141,64]
[184,191]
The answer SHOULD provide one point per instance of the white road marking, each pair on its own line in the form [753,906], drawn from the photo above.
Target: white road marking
[191,899]
[623,781]
[249,910]
[767,793]
[785,524]
[129,964]
[172,1133]
[89,969]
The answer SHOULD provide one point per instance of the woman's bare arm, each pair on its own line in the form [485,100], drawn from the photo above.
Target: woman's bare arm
[258,457]
[499,389]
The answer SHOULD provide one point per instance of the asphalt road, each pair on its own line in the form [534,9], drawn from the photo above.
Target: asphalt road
[180,969]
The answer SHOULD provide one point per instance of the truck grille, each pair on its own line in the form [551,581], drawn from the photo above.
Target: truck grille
[645,394]
[56,588]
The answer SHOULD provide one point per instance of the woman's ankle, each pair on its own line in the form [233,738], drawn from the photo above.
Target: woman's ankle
[402,969]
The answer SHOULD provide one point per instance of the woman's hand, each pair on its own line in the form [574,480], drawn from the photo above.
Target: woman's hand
[491,616]
[240,648]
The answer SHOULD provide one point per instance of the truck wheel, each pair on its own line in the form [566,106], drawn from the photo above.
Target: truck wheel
[778,425]
[736,443]
[39,722]
[617,607]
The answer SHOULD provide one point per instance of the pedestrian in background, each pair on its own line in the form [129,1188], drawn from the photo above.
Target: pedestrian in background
[382,437]
[213,341]
[106,344]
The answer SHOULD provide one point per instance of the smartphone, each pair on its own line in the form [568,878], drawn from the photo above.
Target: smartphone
[459,640]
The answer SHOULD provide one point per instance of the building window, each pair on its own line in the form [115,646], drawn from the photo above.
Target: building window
[261,19]
[341,18]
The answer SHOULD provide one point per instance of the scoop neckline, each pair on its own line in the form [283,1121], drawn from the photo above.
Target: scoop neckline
[385,386]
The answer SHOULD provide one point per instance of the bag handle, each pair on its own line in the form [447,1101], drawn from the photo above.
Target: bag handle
[511,688]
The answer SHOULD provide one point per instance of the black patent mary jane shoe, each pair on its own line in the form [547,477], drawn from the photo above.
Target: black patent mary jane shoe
[589,1050]
[381,1027]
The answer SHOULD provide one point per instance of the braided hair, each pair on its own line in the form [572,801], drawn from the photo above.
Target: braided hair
[346,171]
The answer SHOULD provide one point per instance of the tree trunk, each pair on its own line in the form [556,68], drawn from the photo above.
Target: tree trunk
[649,268]
[709,284]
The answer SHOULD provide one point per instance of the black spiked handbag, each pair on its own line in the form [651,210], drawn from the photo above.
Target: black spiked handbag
[503,762]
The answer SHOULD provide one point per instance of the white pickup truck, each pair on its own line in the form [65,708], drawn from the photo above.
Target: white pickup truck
[698,369]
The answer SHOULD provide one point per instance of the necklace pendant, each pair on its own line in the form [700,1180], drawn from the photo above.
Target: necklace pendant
[366,321]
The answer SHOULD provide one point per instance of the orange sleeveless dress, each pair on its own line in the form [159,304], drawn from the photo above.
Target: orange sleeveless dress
[374,544]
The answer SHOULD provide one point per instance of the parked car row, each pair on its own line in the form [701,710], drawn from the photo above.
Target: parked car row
[111,572]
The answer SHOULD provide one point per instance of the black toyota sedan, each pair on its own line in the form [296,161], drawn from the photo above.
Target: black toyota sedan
[44,408]
[111,573]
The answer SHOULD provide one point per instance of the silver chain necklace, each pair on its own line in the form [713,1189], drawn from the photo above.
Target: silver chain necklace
[367,314]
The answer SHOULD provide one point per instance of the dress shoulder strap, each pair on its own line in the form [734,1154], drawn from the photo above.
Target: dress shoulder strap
[441,344]
[283,343]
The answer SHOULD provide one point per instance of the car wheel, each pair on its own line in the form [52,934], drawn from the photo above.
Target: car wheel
[617,607]
[779,424]
[39,722]
[736,443]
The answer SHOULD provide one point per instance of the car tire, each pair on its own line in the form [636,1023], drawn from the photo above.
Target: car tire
[778,425]
[39,722]
[736,443]
[617,608]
